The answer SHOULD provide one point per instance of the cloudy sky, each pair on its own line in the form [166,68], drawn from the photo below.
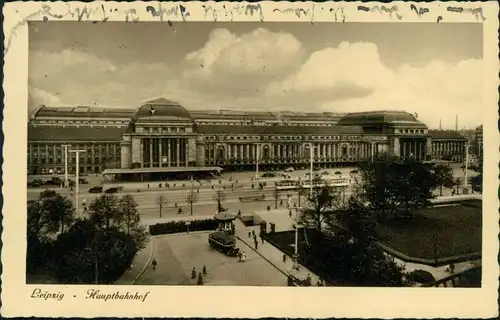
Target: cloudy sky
[433,70]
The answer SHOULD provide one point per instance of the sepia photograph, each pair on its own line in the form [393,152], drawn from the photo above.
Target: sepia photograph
[224,153]
[252,154]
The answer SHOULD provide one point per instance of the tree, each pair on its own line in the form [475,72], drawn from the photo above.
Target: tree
[392,186]
[89,254]
[321,203]
[219,196]
[443,176]
[128,214]
[104,211]
[162,202]
[356,218]
[50,213]
[276,195]
[191,198]
[477,183]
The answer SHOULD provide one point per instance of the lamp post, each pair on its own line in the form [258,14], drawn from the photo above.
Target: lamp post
[311,151]
[296,253]
[257,162]
[66,146]
[466,162]
[77,182]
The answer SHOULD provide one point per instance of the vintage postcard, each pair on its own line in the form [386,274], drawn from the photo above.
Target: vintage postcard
[264,159]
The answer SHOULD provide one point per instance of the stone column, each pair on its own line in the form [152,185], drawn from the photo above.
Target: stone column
[150,152]
[186,153]
[169,151]
[160,154]
[178,148]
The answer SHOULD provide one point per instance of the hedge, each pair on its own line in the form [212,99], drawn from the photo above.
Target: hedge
[180,226]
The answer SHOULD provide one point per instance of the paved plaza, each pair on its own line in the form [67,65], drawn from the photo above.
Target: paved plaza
[178,254]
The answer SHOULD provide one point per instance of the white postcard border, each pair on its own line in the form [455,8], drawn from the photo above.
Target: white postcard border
[245,302]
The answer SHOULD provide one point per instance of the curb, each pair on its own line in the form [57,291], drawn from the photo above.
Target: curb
[147,264]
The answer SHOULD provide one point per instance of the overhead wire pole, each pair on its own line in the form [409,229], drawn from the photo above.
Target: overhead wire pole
[77,182]
[257,162]
[466,162]
[66,146]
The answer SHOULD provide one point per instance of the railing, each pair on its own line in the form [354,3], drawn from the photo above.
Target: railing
[468,278]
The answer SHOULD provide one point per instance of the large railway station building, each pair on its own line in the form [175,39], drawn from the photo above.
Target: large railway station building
[161,135]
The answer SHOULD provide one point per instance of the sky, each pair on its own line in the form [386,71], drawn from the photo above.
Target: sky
[433,70]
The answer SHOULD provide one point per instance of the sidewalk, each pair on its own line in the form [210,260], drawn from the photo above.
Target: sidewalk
[139,265]
[272,254]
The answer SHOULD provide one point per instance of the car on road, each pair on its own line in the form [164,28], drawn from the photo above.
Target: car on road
[338,172]
[83,181]
[289,169]
[325,173]
[111,190]
[96,189]
[268,175]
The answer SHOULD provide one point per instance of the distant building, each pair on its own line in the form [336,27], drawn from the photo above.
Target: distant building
[448,145]
[162,135]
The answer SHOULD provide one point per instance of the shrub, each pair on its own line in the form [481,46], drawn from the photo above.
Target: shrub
[421,276]
[180,226]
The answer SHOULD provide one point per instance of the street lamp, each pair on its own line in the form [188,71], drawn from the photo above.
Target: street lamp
[77,182]
[65,146]
[466,162]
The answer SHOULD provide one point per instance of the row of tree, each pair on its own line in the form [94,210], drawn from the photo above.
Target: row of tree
[191,198]
[94,249]
[385,188]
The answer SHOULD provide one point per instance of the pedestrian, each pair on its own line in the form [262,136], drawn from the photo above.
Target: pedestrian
[204,270]
[200,279]
[256,244]
[179,211]
[262,237]
[281,203]
[154,263]
[284,257]
[308,279]
[239,212]
[240,255]
[175,204]
[193,273]
[290,213]
[268,208]
[253,233]
[249,234]
[243,257]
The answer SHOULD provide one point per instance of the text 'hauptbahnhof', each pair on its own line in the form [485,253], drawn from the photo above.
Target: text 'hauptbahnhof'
[162,137]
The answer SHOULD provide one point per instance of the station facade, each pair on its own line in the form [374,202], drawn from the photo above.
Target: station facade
[163,134]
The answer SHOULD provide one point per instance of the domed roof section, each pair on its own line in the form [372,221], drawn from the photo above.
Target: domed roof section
[380,118]
[162,108]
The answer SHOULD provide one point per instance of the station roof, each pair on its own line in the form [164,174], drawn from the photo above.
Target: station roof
[381,118]
[446,135]
[44,133]
[83,112]
[162,108]
[162,170]
[277,129]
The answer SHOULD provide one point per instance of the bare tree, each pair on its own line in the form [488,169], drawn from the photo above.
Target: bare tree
[219,196]
[162,202]
[276,195]
[191,198]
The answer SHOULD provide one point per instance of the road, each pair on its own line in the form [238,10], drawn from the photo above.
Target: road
[147,196]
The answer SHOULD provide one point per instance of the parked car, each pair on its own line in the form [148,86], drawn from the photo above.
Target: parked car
[96,189]
[83,181]
[338,172]
[325,173]
[111,190]
[289,169]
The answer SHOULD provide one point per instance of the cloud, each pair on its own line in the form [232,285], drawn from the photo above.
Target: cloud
[79,77]
[436,91]
[37,97]
[227,59]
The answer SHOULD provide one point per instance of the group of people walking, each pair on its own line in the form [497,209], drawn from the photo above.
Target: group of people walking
[201,275]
